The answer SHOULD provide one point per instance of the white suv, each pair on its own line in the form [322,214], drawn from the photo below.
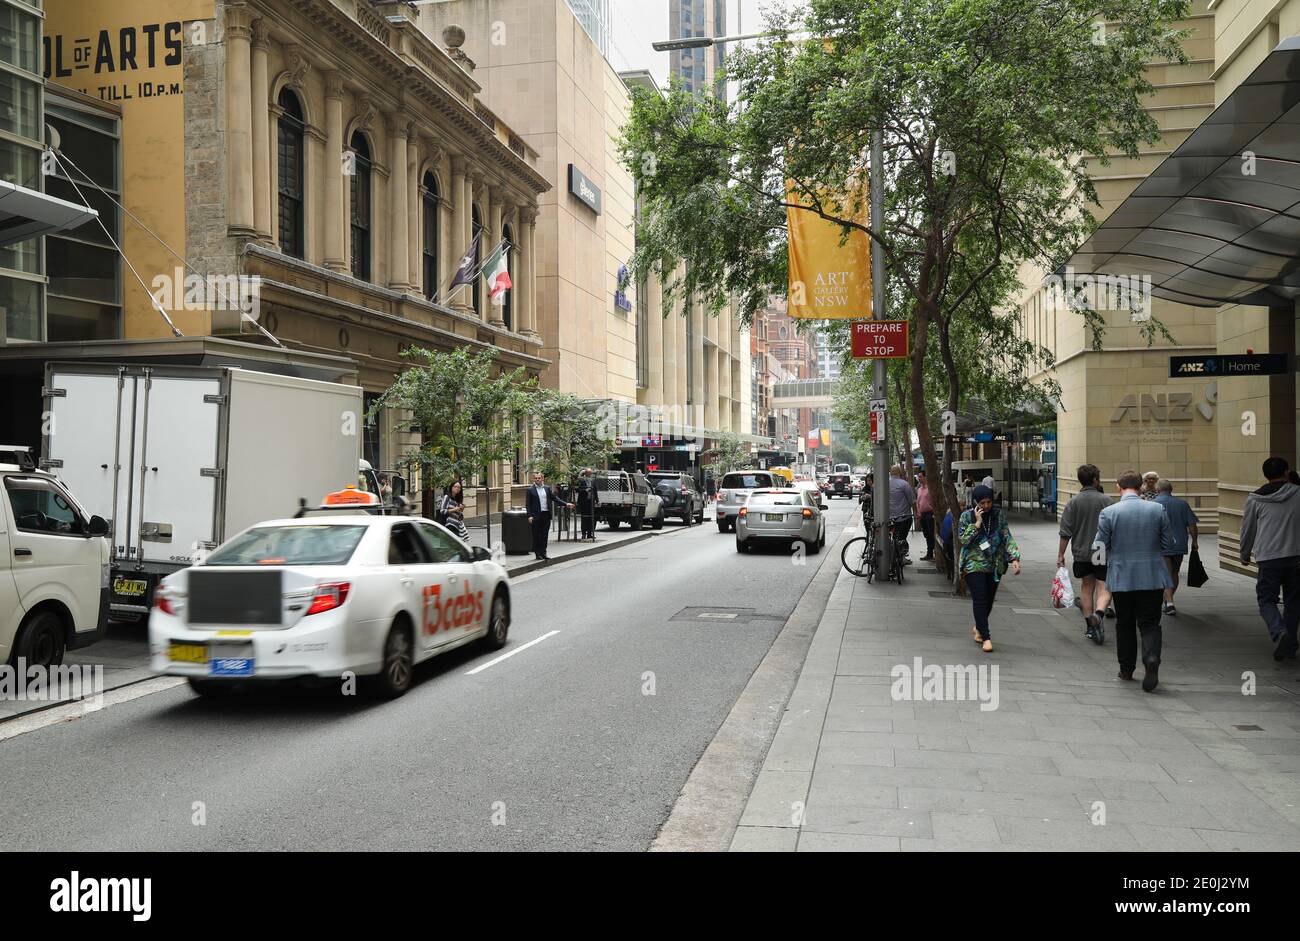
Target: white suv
[54,565]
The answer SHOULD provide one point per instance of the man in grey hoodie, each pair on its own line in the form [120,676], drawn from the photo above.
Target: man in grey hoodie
[1270,530]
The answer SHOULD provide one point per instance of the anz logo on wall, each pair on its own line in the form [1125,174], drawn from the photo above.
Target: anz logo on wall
[1166,407]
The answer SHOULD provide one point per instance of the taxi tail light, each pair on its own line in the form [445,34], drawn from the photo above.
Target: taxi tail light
[329,596]
[744,511]
[807,513]
[163,603]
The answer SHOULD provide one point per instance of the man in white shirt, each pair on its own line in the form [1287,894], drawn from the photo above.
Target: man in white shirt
[541,500]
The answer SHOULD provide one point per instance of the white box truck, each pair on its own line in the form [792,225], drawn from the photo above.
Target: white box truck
[178,458]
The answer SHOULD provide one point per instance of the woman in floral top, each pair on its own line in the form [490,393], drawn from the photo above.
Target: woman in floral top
[987,549]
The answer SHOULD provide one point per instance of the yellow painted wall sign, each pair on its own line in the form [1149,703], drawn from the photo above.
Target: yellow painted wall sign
[131,53]
[827,280]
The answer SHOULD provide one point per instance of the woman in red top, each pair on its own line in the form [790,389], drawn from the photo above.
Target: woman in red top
[925,513]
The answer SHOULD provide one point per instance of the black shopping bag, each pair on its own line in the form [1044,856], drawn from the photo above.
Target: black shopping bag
[1196,576]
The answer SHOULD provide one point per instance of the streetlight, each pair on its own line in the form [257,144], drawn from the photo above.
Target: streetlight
[700,42]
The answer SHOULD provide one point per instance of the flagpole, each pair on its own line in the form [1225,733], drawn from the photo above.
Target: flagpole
[477,273]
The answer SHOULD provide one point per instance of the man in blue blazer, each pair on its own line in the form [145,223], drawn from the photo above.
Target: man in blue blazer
[1134,536]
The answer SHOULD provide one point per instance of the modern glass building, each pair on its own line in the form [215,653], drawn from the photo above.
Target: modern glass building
[698,68]
[593,15]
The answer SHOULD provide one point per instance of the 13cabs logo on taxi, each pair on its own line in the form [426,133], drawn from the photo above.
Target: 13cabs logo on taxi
[461,610]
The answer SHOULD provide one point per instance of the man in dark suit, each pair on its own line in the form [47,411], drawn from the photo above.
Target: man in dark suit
[542,501]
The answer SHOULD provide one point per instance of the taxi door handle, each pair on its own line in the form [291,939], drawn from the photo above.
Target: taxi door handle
[22,552]
[451,578]
[407,582]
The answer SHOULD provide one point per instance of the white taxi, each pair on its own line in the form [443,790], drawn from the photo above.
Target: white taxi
[325,597]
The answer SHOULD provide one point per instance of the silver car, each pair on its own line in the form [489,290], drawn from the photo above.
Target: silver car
[781,515]
[734,491]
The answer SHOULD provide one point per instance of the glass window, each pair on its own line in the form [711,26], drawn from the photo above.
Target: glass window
[289,164]
[82,271]
[432,210]
[360,207]
[40,507]
[405,547]
[476,230]
[94,153]
[20,165]
[22,256]
[20,39]
[290,545]
[20,105]
[88,231]
[67,319]
[507,308]
[776,499]
[20,302]
[442,545]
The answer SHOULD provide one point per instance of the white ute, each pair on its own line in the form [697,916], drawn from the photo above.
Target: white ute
[54,566]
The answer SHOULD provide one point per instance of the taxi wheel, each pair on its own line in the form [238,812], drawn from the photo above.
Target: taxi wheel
[498,623]
[40,640]
[394,677]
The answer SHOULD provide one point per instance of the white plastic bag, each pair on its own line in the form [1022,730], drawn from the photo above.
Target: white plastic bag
[1062,589]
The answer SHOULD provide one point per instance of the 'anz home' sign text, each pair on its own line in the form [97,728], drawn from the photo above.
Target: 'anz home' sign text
[584,189]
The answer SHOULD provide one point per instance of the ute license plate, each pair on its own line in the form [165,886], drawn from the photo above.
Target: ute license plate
[774,517]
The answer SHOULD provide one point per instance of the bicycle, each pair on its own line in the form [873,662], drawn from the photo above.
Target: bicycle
[860,554]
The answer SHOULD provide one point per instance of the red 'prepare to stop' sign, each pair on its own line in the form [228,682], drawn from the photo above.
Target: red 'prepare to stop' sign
[880,339]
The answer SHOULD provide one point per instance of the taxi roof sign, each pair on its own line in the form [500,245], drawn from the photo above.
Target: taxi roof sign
[350,496]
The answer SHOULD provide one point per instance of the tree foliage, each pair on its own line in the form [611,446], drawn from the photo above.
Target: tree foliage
[728,453]
[573,437]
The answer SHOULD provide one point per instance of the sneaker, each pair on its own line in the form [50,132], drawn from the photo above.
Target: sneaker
[1169,608]
[1110,611]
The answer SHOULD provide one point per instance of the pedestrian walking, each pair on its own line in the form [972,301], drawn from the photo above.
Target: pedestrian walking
[1270,530]
[542,501]
[710,487]
[925,513]
[1150,485]
[587,504]
[902,498]
[987,550]
[1183,521]
[1079,530]
[1135,536]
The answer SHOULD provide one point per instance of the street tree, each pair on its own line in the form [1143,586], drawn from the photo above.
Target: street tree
[466,411]
[574,436]
[728,453]
[987,109]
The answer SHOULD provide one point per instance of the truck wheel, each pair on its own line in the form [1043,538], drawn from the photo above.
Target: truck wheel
[40,640]
[498,623]
[394,676]
[612,524]
[659,521]
[636,521]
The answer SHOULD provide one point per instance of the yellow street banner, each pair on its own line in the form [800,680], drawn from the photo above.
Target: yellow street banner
[827,280]
[826,437]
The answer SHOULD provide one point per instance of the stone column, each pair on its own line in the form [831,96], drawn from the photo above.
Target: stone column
[528,255]
[261,132]
[335,223]
[460,222]
[399,255]
[239,120]
[494,196]
[414,206]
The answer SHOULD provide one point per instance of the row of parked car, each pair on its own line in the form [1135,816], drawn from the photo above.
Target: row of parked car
[647,499]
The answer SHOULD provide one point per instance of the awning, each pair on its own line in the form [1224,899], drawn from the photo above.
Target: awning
[1218,222]
[25,213]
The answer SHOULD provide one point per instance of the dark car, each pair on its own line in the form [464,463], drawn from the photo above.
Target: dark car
[681,497]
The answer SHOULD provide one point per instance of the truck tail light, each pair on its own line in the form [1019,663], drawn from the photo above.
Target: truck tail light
[329,596]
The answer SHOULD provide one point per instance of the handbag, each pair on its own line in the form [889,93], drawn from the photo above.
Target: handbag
[1196,576]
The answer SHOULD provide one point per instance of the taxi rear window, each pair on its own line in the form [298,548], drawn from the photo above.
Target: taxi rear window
[290,545]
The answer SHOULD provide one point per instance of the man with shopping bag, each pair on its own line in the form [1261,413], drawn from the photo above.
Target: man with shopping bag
[1078,529]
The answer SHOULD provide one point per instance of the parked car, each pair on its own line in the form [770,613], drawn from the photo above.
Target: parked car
[681,497]
[321,598]
[54,566]
[783,515]
[622,497]
[734,490]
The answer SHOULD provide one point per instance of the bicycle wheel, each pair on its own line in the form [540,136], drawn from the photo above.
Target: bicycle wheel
[857,557]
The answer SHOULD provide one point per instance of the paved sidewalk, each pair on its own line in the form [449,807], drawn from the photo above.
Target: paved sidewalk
[1071,758]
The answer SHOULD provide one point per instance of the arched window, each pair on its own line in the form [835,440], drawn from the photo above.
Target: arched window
[476,229]
[507,309]
[360,207]
[432,210]
[289,162]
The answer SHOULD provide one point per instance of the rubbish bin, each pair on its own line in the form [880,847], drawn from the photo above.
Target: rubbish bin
[516,534]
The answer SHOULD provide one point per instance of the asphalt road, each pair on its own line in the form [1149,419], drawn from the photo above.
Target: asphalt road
[582,741]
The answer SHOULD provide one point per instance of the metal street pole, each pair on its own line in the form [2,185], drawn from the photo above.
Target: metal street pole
[880,449]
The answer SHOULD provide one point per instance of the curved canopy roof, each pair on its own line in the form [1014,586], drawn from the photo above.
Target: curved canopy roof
[1218,222]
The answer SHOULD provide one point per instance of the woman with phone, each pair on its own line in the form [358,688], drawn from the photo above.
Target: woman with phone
[987,550]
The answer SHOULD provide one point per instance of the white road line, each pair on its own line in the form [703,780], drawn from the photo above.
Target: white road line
[507,656]
[77,710]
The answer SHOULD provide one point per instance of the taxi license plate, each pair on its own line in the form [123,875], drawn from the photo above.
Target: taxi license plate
[187,653]
[221,659]
[774,517]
